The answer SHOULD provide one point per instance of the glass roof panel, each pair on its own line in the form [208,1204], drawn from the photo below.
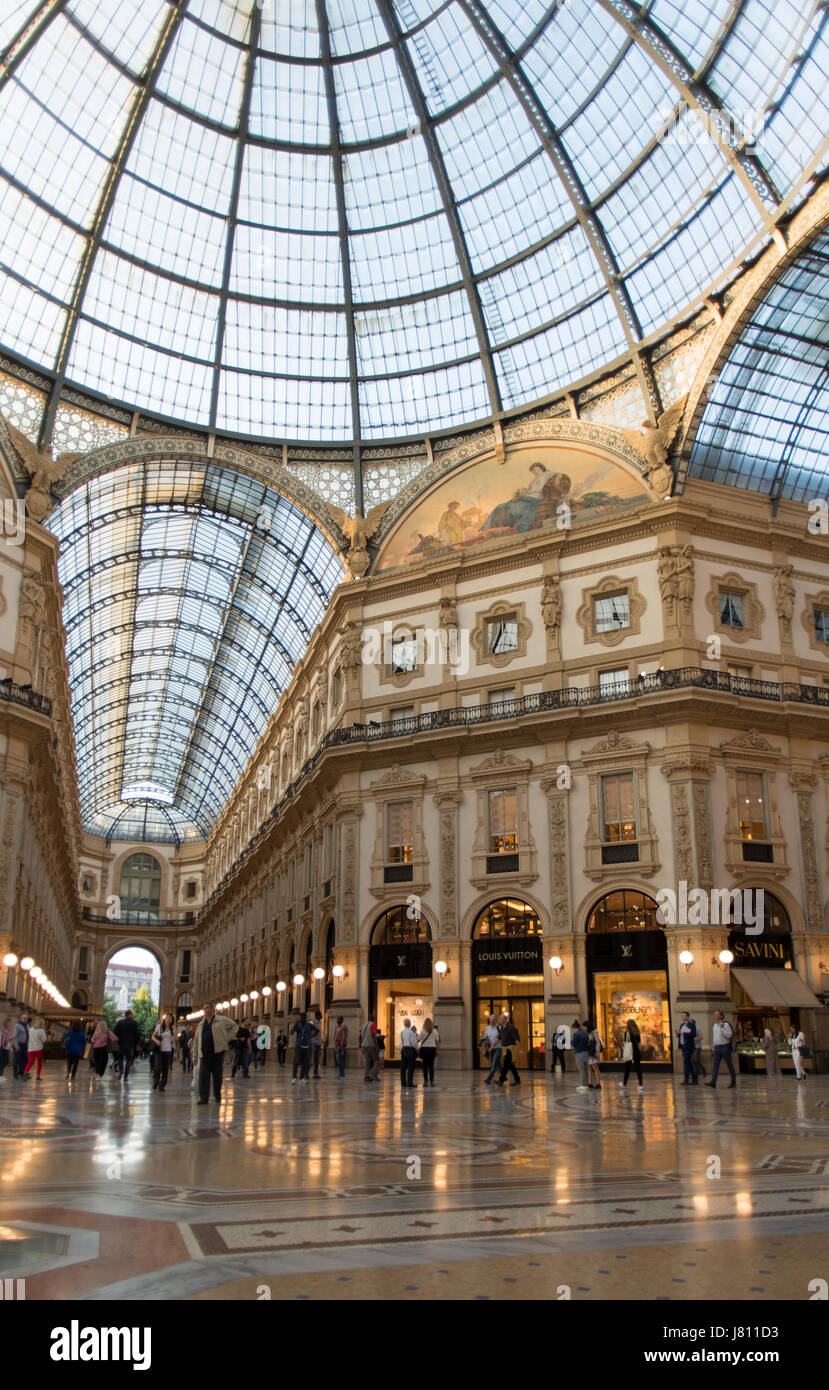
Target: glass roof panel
[230,273]
[766,423]
[183,618]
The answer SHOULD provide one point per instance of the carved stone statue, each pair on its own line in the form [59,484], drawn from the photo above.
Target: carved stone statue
[351,649]
[675,573]
[551,605]
[447,613]
[30,620]
[784,592]
[684,574]
[652,442]
[43,469]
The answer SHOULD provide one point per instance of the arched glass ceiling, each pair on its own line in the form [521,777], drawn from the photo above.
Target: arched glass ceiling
[335,219]
[766,423]
[190,592]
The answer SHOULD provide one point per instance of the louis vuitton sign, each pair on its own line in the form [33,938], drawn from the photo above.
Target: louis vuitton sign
[511,955]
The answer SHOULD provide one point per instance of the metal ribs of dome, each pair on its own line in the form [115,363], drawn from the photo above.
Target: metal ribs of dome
[388,217]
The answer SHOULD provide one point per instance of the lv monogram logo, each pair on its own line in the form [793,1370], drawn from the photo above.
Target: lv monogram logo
[401,960]
[627,950]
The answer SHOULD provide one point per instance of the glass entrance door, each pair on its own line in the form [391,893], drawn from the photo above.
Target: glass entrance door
[527,1013]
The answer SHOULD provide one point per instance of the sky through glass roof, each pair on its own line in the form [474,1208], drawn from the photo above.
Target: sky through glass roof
[337,219]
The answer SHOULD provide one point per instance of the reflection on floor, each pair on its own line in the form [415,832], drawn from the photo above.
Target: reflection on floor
[342,1190]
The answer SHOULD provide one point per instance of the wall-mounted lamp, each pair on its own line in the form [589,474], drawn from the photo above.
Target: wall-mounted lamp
[299,980]
[267,991]
[339,972]
[36,972]
[556,964]
[234,1003]
[319,973]
[9,959]
[254,995]
[243,999]
[27,963]
[724,959]
[389,998]
[442,969]
[281,986]
[686,958]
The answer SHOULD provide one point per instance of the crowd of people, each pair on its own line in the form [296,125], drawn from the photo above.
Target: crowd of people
[202,1048]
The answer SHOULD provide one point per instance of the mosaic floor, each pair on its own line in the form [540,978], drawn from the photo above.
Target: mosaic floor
[341,1190]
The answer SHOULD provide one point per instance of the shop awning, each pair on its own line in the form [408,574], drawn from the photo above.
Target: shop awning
[776,988]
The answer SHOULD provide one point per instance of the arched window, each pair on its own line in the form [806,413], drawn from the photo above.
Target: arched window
[140,890]
[396,926]
[625,910]
[79,999]
[507,917]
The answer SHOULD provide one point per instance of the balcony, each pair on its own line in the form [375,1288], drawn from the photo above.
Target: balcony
[25,696]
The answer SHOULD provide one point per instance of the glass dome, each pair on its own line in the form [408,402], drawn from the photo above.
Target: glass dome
[364,219]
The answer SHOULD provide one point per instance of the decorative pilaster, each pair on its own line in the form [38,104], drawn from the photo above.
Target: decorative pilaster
[559,856]
[447,803]
[803,784]
[348,815]
[689,776]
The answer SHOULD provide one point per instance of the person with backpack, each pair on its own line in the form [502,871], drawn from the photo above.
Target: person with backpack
[579,1042]
[595,1048]
[686,1037]
[631,1055]
[722,1037]
[508,1034]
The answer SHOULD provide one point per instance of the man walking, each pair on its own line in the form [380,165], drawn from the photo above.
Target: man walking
[408,1053]
[126,1031]
[302,1031]
[687,1034]
[340,1045]
[580,1039]
[509,1039]
[369,1050]
[209,1046]
[20,1046]
[721,1036]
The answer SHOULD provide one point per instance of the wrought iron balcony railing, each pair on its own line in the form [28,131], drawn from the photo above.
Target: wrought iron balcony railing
[24,695]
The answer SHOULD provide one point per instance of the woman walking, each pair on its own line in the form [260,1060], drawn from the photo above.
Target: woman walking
[429,1040]
[74,1043]
[797,1042]
[165,1042]
[5,1045]
[100,1041]
[769,1046]
[595,1048]
[631,1055]
[37,1048]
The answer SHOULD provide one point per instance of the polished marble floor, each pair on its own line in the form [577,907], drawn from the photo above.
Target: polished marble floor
[347,1191]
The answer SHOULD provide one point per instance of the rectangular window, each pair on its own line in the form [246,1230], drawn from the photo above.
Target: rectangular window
[732,609]
[83,960]
[502,634]
[401,713]
[502,699]
[821,624]
[191,888]
[399,835]
[614,682]
[751,806]
[618,807]
[743,671]
[611,612]
[403,655]
[503,821]
[185,962]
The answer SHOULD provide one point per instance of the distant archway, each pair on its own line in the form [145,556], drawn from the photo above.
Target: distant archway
[130,970]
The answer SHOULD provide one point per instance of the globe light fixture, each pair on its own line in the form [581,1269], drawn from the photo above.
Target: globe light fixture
[686,958]
[726,958]
[299,980]
[338,972]
[556,964]
[243,999]
[9,959]
[254,994]
[267,991]
[36,972]
[233,1003]
[441,968]
[319,973]
[27,963]
[281,986]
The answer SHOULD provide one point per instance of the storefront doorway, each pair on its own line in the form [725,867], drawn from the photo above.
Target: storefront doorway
[766,990]
[400,975]
[508,976]
[627,977]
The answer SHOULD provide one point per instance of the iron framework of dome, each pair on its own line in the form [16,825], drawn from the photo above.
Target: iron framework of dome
[351,220]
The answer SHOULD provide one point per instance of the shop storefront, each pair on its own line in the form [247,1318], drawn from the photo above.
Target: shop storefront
[508,972]
[627,977]
[400,975]
[766,990]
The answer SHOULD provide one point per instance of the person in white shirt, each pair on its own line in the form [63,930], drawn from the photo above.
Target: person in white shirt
[490,1041]
[408,1053]
[37,1048]
[721,1035]
[429,1040]
[165,1041]
[797,1041]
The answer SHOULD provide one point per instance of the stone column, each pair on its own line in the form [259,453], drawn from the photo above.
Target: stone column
[447,802]
[689,777]
[562,996]
[14,784]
